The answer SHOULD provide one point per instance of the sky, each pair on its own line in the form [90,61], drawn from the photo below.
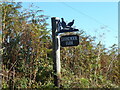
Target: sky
[99,19]
[69,0]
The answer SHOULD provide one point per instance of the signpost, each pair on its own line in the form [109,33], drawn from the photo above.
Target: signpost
[64,41]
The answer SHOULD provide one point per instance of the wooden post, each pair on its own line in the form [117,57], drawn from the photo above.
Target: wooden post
[56,51]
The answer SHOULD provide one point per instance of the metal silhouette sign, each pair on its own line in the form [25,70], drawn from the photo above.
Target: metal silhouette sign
[69,40]
[63,23]
[63,27]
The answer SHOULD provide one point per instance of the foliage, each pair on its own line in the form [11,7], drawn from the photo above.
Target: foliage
[27,55]
[90,65]
[25,43]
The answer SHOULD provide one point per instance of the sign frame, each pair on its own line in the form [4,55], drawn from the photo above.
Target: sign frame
[69,40]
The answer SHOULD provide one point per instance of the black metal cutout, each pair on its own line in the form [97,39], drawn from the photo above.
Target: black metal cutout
[65,27]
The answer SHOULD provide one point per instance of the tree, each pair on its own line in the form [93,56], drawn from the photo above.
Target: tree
[25,41]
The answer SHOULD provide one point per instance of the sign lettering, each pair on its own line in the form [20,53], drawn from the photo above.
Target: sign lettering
[69,40]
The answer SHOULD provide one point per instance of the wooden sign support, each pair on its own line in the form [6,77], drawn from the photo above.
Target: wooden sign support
[56,52]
